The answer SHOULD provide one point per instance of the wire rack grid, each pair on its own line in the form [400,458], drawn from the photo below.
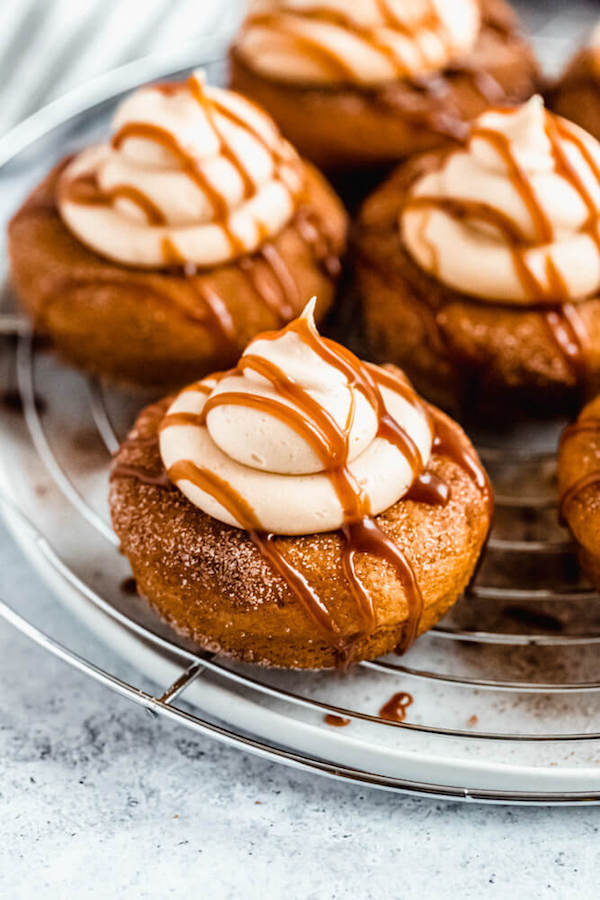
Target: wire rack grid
[527,598]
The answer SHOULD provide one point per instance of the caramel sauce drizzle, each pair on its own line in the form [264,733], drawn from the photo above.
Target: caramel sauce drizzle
[360,531]
[336,721]
[588,425]
[563,319]
[395,708]
[86,190]
[266,269]
[335,64]
[585,481]
[226,150]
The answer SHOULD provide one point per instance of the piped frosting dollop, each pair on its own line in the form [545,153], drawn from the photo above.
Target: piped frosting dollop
[365,42]
[513,216]
[300,438]
[193,175]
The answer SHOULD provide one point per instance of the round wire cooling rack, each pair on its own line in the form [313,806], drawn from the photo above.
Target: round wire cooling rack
[505,690]
[283,713]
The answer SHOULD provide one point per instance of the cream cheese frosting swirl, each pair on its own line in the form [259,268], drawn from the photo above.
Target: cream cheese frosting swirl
[193,174]
[367,41]
[301,436]
[513,217]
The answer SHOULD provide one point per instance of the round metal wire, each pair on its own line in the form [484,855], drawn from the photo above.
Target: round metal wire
[536,549]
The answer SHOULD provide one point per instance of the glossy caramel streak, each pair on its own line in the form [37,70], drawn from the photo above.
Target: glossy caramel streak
[313,605]
[315,236]
[290,297]
[520,181]
[219,315]
[365,536]
[155,479]
[453,445]
[428,488]
[362,597]
[557,131]
[216,487]
[336,721]
[226,150]
[395,708]
[243,123]
[165,138]
[276,298]
[240,509]
[181,418]
[333,64]
[586,481]
[589,425]
[567,338]
[470,210]
[292,417]
[85,190]
[334,448]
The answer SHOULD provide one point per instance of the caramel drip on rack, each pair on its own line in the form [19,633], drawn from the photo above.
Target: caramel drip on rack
[395,708]
[334,63]
[561,316]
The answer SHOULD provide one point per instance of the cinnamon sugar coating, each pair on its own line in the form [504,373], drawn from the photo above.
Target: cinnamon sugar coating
[154,327]
[349,127]
[211,583]
[467,355]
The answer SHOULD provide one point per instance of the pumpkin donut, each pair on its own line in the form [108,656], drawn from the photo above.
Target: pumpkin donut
[362,85]
[479,267]
[155,258]
[305,510]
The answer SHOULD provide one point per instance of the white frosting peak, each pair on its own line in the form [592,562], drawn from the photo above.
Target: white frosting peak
[194,174]
[282,464]
[514,215]
[366,41]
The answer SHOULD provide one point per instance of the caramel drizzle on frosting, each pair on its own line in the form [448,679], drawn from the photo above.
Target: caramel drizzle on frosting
[561,316]
[86,190]
[360,532]
[266,269]
[335,64]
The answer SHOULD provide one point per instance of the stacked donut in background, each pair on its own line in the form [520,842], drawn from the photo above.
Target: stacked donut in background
[295,505]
